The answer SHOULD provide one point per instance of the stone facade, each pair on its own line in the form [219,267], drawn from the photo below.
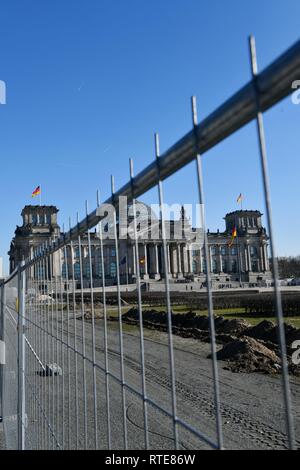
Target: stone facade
[243,261]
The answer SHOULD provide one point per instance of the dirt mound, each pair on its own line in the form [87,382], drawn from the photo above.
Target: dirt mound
[261,330]
[249,355]
[235,326]
[245,348]
[268,331]
[191,320]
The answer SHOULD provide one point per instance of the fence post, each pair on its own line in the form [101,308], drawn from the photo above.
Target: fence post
[21,357]
[2,347]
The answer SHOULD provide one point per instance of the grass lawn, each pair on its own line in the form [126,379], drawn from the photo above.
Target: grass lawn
[227,313]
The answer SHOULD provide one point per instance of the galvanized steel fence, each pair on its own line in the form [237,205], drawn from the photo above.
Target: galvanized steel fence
[61,369]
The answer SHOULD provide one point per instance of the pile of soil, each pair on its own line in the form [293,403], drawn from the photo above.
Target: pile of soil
[186,321]
[249,355]
[268,331]
[245,348]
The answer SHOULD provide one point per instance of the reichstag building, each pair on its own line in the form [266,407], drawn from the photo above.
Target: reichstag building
[242,258]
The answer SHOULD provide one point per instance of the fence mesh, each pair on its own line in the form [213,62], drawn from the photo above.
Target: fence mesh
[76,376]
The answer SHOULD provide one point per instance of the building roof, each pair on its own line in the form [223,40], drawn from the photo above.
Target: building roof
[244,212]
[31,207]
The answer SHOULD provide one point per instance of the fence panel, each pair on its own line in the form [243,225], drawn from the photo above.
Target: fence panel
[75,376]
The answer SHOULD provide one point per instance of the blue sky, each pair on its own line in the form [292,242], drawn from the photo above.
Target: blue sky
[89,82]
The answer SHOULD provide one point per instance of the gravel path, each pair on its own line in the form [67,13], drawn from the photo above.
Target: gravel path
[252,406]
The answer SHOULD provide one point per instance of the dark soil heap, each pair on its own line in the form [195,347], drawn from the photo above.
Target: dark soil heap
[249,355]
[245,348]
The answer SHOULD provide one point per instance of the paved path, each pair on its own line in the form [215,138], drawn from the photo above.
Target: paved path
[252,407]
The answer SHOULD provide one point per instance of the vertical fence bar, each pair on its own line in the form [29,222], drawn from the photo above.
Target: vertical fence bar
[120,315]
[139,294]
[3,345]
[21,357]
[35,330]
[83,345]
[62,355]
[93,334]
[44,346]
[38,339]
[66,288]
[75,335]
[56,351]
[48,345]
[168,301]
[43,350]
[277,294]
[105,330]
[209,287]
[52,346]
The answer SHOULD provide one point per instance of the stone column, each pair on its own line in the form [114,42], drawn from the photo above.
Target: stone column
[145,256]
[178,254]
[210,260]
[133,260]
[200,260]
[220,260]
[249,258]
[174,260]
[246,259]
[155,261]
[267,265]
[169,258]
[262,258]
[189,258]
[185,259]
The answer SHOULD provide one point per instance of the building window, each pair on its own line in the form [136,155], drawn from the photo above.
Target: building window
[214,266]
[99,268]
[48,219]
[112,252]
[224,265]
[34,219]
[223,250]
[77,270]
[253,251]
[113,269]
[64,271]
[234,266]
[213,250]
[194,252]
[86,270]
[194,266]
[40,272]
[254,265]
[204,265]
[233,251]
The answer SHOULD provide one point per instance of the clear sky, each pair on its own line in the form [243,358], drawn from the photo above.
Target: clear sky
[90,81]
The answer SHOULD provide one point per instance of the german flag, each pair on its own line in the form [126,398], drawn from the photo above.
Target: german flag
[36,192]
[240,198]
[233,235]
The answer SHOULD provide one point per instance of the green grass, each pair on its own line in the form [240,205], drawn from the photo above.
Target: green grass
[227,313]
[294,321]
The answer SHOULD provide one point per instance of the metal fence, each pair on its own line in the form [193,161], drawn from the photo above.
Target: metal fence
[65,382]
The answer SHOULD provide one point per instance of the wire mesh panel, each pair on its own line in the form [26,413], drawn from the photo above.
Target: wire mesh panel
[80,372]
[10,376]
